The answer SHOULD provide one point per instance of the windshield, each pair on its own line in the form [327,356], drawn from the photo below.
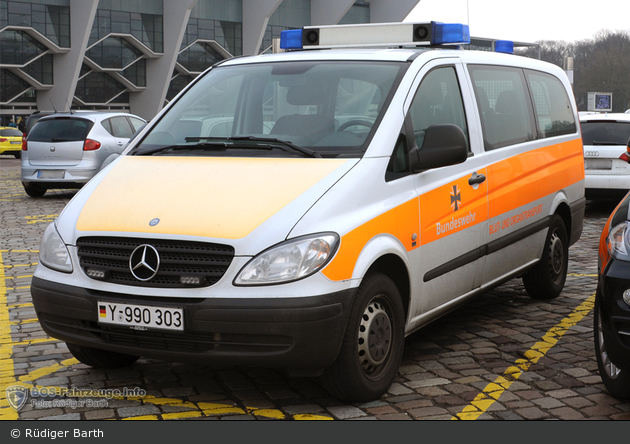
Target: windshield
[318,109]
[605,132]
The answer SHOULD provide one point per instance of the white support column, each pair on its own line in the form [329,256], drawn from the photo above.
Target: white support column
[159,71]
[256,14]
[387,11]
[324,12]
[66,67]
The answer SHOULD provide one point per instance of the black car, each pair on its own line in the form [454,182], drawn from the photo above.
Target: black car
[612,302]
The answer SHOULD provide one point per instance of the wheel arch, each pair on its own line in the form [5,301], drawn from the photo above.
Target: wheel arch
[561,207]
[395,268]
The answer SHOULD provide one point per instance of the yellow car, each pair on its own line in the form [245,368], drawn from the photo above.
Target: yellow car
[10,141]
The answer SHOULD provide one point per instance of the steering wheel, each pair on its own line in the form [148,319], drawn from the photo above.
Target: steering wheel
[350,123]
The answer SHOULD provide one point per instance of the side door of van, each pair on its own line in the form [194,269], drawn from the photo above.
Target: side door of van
[452,199]
[526,117]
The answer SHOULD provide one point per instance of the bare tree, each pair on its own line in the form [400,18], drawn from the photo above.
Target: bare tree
[601,64]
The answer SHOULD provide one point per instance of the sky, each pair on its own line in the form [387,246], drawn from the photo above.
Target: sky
[529,20]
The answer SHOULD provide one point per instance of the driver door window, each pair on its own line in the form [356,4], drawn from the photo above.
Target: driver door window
[437,101]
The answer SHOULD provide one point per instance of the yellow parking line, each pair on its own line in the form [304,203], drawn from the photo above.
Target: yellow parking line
[45,371]
[18,265]
[494,390]
[25,304]
[7,373]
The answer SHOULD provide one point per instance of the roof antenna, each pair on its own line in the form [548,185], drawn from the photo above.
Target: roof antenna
[69,107]
[53,105]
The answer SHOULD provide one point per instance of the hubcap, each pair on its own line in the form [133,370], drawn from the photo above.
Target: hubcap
[375,337]
[556,253]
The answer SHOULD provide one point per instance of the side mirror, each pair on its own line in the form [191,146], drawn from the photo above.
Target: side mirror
[443,145]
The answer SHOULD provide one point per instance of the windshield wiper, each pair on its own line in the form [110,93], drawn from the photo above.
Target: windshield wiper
[210,146]
[225,143]
[282,144]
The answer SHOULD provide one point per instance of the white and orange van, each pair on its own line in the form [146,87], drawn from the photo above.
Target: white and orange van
[306,210]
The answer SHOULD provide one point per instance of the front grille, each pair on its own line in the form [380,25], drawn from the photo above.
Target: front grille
[178,259]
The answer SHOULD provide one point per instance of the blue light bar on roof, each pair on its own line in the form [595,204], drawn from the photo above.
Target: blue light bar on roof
[505,46]
[375,34]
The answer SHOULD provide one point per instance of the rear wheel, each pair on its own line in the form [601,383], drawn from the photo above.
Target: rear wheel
[97,358]
[616,380]
[373,343]
[34,190]
[17,154]
[546,279]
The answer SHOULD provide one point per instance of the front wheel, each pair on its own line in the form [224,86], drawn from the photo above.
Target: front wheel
[546,279]
[616,380]
[373,343]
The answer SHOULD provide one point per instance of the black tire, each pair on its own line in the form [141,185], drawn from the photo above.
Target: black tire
[17,154]
[546,279]
[373,343]
[97,358]
[616,380]
[34,190]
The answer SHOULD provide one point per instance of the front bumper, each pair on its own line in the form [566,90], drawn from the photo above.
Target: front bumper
[615,312]
[302,334]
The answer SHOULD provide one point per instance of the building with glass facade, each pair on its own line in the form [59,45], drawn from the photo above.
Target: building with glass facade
[136,55]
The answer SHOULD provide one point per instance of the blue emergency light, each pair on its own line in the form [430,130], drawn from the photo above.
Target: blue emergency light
[375,34]
[505,46]
[291,39]
[450,33]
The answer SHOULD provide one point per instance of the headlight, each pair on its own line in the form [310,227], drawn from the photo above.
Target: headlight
[289,261]
[617,241]
[53,252]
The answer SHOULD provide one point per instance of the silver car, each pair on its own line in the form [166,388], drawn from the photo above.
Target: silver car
[65,150]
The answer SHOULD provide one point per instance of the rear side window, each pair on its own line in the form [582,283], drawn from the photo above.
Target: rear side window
[552,107]
[504,105]
[119,127]
[605,132]
[60,130]
[10,133]
[136,123]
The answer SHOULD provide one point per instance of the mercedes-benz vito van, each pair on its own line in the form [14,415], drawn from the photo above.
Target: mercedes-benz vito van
[307,210]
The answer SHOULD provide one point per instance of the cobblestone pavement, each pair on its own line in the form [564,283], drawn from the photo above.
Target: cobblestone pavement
[503,356]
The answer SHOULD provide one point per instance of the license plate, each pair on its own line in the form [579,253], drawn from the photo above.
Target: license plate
[50,174]
[16,142]
[141,317]
[598,164]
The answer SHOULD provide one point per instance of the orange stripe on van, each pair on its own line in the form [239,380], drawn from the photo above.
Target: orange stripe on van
[519,180]
[400,222]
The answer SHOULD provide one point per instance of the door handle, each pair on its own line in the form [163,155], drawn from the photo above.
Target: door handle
[476,179]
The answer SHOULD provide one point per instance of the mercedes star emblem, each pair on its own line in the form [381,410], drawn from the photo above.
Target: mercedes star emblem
[144,262]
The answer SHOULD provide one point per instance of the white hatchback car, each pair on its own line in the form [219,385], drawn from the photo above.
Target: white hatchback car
[65,150]
[606,160]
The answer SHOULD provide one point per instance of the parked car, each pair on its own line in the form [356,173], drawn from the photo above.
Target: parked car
[33,118]
[10,141]
[612,303]
[605,137]
[65,150]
